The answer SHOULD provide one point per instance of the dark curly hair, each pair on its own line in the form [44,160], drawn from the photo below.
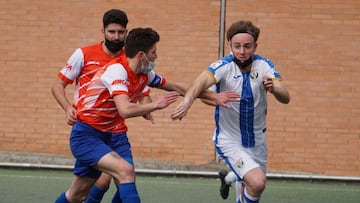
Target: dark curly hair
[140,39]
[115,16]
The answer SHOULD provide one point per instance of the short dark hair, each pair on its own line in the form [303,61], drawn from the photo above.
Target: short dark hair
[140,39]
[243,27]
[115,16]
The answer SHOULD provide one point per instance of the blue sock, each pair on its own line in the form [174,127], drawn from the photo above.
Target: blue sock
[128,193]
[95,195]
[116,198]
[62,199]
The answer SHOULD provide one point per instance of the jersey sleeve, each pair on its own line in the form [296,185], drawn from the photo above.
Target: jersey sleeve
[115,79]
[215,69]
[271,70]
[73,67]
[155,80]
[212,88]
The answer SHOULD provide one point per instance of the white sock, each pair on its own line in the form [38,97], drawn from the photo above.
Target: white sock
[250,199]
[230,178]
[239,191]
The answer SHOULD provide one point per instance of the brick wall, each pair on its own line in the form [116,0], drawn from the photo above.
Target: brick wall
[314,44]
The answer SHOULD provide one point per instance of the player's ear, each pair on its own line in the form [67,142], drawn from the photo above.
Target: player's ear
[140,55]
[228,45]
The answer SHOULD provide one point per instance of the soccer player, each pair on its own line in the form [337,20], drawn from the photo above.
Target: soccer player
[81,67]
[240,129]
[84,62]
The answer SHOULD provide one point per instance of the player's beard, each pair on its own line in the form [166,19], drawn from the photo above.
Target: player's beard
[114,46]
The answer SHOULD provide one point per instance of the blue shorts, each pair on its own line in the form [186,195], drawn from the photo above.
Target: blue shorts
[88,145]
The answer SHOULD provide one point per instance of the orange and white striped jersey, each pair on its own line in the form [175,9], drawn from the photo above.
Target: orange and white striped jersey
[97,108]
[82,66]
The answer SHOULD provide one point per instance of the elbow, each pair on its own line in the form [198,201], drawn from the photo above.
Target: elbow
[54,90]
[125,116]
[282,97]
[285,100]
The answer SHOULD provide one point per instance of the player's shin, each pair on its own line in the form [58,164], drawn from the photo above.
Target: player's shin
[95,195]
[128,193]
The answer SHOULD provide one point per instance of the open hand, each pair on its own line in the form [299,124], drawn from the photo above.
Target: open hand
[164,100]
[227,96]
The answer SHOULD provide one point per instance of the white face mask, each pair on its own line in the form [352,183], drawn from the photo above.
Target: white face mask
[147,69]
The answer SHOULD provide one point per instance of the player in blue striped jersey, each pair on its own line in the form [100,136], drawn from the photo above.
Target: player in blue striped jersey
[241,128]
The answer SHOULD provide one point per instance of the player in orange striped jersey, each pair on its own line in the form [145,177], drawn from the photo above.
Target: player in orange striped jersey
[86,61]
[81,67]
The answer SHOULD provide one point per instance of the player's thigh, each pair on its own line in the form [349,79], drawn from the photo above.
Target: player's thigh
[237,158]
[259,154]
[117,167]
[88,144]
[121,145]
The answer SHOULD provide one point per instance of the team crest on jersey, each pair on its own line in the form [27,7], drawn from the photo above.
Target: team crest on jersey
[216,64]
[254,75]
[239,163]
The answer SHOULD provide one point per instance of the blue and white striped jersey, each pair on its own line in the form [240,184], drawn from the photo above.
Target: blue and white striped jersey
[244,121]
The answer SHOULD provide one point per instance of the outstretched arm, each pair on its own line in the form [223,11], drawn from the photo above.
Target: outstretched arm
[202,82]
[206,95]
[127,109]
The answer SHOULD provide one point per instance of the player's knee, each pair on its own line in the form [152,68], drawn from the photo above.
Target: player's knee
[127,173]
[103,182]
[257,186]
[260,186]
[129,170]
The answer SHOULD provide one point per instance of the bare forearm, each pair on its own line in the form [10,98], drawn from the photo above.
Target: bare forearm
[134,110]
[180,87]
[202,82]
[145,100]
[58,91]
[207,94]
[197,90]
[281,94]
[127,109]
